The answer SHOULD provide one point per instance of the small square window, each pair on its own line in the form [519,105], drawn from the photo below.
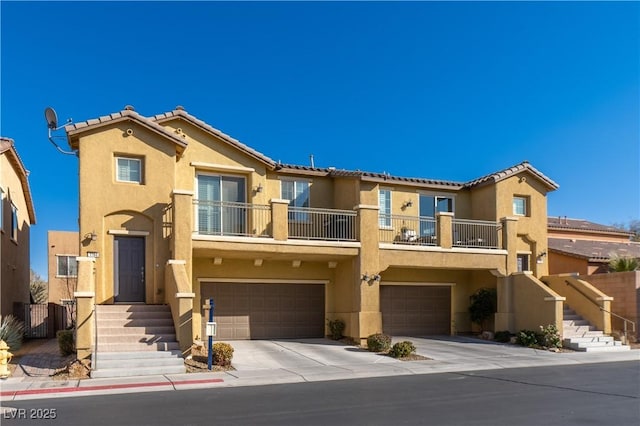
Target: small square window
[520,206]
[128,170]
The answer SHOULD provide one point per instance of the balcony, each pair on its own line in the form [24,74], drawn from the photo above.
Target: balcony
[228,219]
[423,231]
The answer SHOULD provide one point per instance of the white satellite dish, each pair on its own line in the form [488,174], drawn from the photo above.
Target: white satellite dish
[52,125]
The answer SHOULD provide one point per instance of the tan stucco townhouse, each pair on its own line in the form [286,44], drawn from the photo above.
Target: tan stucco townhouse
[173,211]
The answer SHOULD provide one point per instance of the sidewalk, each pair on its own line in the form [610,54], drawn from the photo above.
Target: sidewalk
[32,379]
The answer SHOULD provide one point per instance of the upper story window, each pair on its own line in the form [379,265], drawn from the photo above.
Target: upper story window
[14,222]
[67,266]
[128,169]
[430,205]
[220,206]
[384,204]
[297,192]
[520,206]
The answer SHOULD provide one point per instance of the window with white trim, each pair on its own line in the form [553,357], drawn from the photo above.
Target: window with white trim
[14,222]
[520,206]
[523,262]
[384,204]
[67,266]
[128,169]
[297,192]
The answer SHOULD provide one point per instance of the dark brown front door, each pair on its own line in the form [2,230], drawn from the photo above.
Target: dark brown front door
[129,269]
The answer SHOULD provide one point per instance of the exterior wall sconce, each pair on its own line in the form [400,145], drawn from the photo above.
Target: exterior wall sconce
[406,204]
[259,188]
[91,236]
[368,278]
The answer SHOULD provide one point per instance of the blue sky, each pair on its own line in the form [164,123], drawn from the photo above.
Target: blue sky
[439,90]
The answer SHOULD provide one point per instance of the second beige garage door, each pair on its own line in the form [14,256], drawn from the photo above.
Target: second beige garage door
[266,311]
[415,310]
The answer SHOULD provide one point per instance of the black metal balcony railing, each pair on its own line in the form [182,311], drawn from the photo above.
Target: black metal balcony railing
[321,224]
[233,219]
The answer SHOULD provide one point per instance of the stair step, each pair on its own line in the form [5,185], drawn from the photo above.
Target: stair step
[142,371]
[578,328]
[133,308]
[580,345]
[133,315]
[149,355]
[616,348]
[588,339]
[567,317]
[138,331]
[574,322]
[135,322]
[137,347]
[135,338]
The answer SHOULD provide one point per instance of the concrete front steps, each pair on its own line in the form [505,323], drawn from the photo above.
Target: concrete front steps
[136,340]
[579,335]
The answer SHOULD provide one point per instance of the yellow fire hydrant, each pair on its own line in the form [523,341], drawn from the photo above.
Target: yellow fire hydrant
[5,357]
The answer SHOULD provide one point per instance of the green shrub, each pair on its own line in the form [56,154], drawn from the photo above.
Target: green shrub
[402,349]
[550,337]
[65,342]
[527,338]
[12,331]
[336,327]
[483,305]
[378,342]
[222,354]
[502,336]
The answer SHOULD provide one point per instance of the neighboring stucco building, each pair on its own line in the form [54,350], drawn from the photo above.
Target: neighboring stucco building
[583,247]
[173,211]
[577,246]
[17,214]
[62,250]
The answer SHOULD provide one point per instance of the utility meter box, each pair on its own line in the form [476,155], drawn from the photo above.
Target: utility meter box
[212,327]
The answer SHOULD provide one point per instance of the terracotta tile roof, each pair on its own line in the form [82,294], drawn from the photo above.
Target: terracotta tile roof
[126,114]
[566,224]
[594,251]
[510,171]
[180,112]
[7,147]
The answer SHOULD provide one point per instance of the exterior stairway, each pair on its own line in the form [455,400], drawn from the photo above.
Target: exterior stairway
[579,335]
[136,340]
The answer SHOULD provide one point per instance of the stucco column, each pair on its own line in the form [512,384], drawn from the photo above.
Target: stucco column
[85,304]
[367,297]
[505,317]
[182,228]
[445,229]
[510,243]
[280,219]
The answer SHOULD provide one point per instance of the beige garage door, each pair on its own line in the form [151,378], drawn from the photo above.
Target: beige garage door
[266,311]
[415,310]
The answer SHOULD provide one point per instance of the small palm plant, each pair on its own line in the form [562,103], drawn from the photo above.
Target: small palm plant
[623,263]
[11,331]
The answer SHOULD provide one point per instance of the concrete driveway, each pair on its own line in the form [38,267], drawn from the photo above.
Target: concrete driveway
[445,353]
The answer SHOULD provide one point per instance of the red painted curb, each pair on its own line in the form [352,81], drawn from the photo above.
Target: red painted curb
[106,387]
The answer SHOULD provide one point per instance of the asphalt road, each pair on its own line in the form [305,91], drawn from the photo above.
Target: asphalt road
[594,394]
